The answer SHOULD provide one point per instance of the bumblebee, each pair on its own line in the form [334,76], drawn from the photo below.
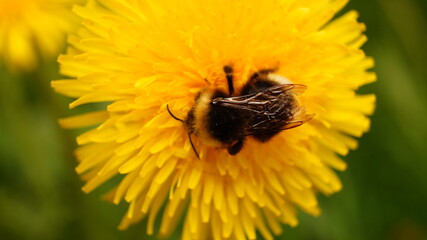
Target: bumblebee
[265,106]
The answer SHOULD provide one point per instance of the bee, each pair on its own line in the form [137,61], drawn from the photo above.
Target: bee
[265,106]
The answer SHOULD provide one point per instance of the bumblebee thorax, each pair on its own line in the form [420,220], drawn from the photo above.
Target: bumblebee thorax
[215,126]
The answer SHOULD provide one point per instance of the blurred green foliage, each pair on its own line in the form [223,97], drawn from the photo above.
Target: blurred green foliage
[385,186]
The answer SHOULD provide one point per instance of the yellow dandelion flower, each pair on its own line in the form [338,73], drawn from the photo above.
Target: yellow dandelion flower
[29,28]
[145,57]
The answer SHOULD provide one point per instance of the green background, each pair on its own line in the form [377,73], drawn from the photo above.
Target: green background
[385,186]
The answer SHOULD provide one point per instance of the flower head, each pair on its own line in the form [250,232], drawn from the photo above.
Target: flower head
[144,56]
[32,27]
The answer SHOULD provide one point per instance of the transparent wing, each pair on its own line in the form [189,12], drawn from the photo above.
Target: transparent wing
[271,110]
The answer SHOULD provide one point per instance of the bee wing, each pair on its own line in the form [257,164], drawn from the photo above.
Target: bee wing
[298,89]
[272,110]
[298,122]
[257,102]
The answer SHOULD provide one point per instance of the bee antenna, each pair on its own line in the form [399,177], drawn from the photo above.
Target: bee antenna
[174,117]
[192,145]
[189,135]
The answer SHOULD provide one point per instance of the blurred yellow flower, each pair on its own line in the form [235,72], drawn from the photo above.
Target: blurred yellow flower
[140,56]
[29,28]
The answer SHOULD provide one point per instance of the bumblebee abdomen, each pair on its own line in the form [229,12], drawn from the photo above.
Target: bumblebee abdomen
[275,118]
[273,114]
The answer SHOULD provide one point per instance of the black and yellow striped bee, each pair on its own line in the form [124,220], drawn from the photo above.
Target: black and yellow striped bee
[265,106]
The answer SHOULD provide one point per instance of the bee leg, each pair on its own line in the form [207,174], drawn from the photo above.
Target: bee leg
[236,147]
[228,70]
